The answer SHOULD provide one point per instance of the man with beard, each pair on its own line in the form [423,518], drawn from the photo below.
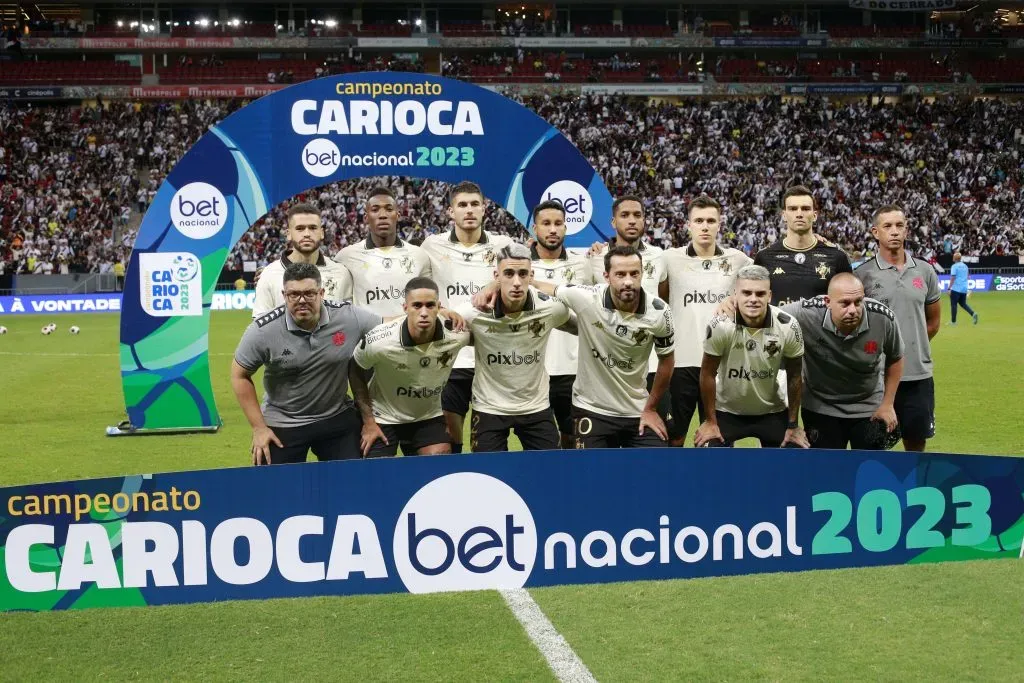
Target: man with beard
[557,265]
[802,263]
[305,347]
[383,264]
[306,235]
[462,262]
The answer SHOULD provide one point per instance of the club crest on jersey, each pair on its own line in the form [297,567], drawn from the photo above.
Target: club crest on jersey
[569,274]
[640,336]
[823,270]
[800,258]
[387,263]
[536,327]
[772,347]
[621,330]
[445,358]
[751,345]
[649,268]
[725,266]
[706,265]
[489,257]
[406,264]
[330,287]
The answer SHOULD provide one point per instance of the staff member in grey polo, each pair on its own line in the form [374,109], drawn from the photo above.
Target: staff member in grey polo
[911,289]
[853,361]
[305,346]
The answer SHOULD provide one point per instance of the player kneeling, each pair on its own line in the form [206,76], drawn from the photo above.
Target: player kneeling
[745,353]
[411,359]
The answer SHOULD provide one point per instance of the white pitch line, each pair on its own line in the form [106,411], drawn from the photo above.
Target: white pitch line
[563,660]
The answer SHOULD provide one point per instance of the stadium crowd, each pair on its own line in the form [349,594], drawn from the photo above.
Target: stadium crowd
[71,177]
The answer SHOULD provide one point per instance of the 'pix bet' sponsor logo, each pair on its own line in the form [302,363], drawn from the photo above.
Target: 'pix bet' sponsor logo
[579,207]
[321,157]
[171,284]
[465,531]
[199,210]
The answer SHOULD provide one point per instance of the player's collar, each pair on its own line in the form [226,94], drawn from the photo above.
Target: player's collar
[690,251]
[407,340]
[640,244]
[831,326]
[499,308]
[564,256]
[453,237]
[885,265]
[285,261]
[370,245]
[641,306]
[292,326]
[767,322]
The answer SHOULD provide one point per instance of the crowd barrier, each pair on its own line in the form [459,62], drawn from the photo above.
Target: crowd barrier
[496,521]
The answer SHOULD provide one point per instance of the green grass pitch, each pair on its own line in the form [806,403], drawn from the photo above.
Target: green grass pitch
[956,621]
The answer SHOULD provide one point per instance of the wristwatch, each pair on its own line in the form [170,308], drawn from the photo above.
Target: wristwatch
[793,424]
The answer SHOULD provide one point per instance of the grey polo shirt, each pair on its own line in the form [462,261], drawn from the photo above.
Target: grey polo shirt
[306,375]
[844,376]
[906,292]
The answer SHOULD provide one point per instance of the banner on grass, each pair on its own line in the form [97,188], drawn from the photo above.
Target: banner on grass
[106,303]
[975,283]
[297,139]
[437,524]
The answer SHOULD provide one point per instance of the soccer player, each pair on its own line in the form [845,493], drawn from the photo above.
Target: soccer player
[510,386]
[411,359]
[958,289]
[305,347]
[306,235]
[911,289]
[619,324]
[556,264]
[382,264]
[745,354]
[802,263]
[700,276]
[853,360]
[462,262]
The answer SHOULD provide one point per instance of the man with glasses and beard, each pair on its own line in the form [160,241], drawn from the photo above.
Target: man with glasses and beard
[305,347]
[383,264]
[306,235]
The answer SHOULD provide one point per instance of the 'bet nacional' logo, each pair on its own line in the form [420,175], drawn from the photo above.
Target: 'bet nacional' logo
[465,531]
[579,207]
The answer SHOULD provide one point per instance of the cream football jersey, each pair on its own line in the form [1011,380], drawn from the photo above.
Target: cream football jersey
[335,280]
[461,271]
[379,274]
[654,274]
[407,378]
[510,348]
[696,286]
[614,348]
[571,268]
[748,374]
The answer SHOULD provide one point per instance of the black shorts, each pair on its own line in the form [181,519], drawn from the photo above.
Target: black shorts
[458,392]
[829,431]
[915,408]
[593,430]
[769,429]
[536,431]
[411,437]
[685,398]
[560,397]
[336,438]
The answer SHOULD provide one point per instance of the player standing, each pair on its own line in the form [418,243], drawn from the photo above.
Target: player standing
[462,262]
[802,263]
[510,386]
[557,265]
[411,359]
[958,289]
[700,276]
[745,354]
[306,235]
[382,264]
[911,289]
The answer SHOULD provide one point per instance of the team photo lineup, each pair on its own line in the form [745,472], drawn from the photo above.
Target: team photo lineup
[617,345]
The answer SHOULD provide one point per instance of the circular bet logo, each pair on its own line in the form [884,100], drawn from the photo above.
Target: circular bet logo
[199,210]
[579,208]
[465,531]
[321,157]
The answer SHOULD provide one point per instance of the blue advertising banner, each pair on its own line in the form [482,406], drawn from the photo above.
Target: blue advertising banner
[296,139]
[844,89]
[509,520]
[106,303]
[975,283]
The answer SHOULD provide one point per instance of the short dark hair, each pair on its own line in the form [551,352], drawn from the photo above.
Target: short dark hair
[620,251]
[421,283]
[627,198]
[886,208]
[302,271]
[301,207]
[465,187]
[379,191]
[704,202]
[548,204]
[798,191]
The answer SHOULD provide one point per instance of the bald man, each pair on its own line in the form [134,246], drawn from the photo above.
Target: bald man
[853,361]
[958,289]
